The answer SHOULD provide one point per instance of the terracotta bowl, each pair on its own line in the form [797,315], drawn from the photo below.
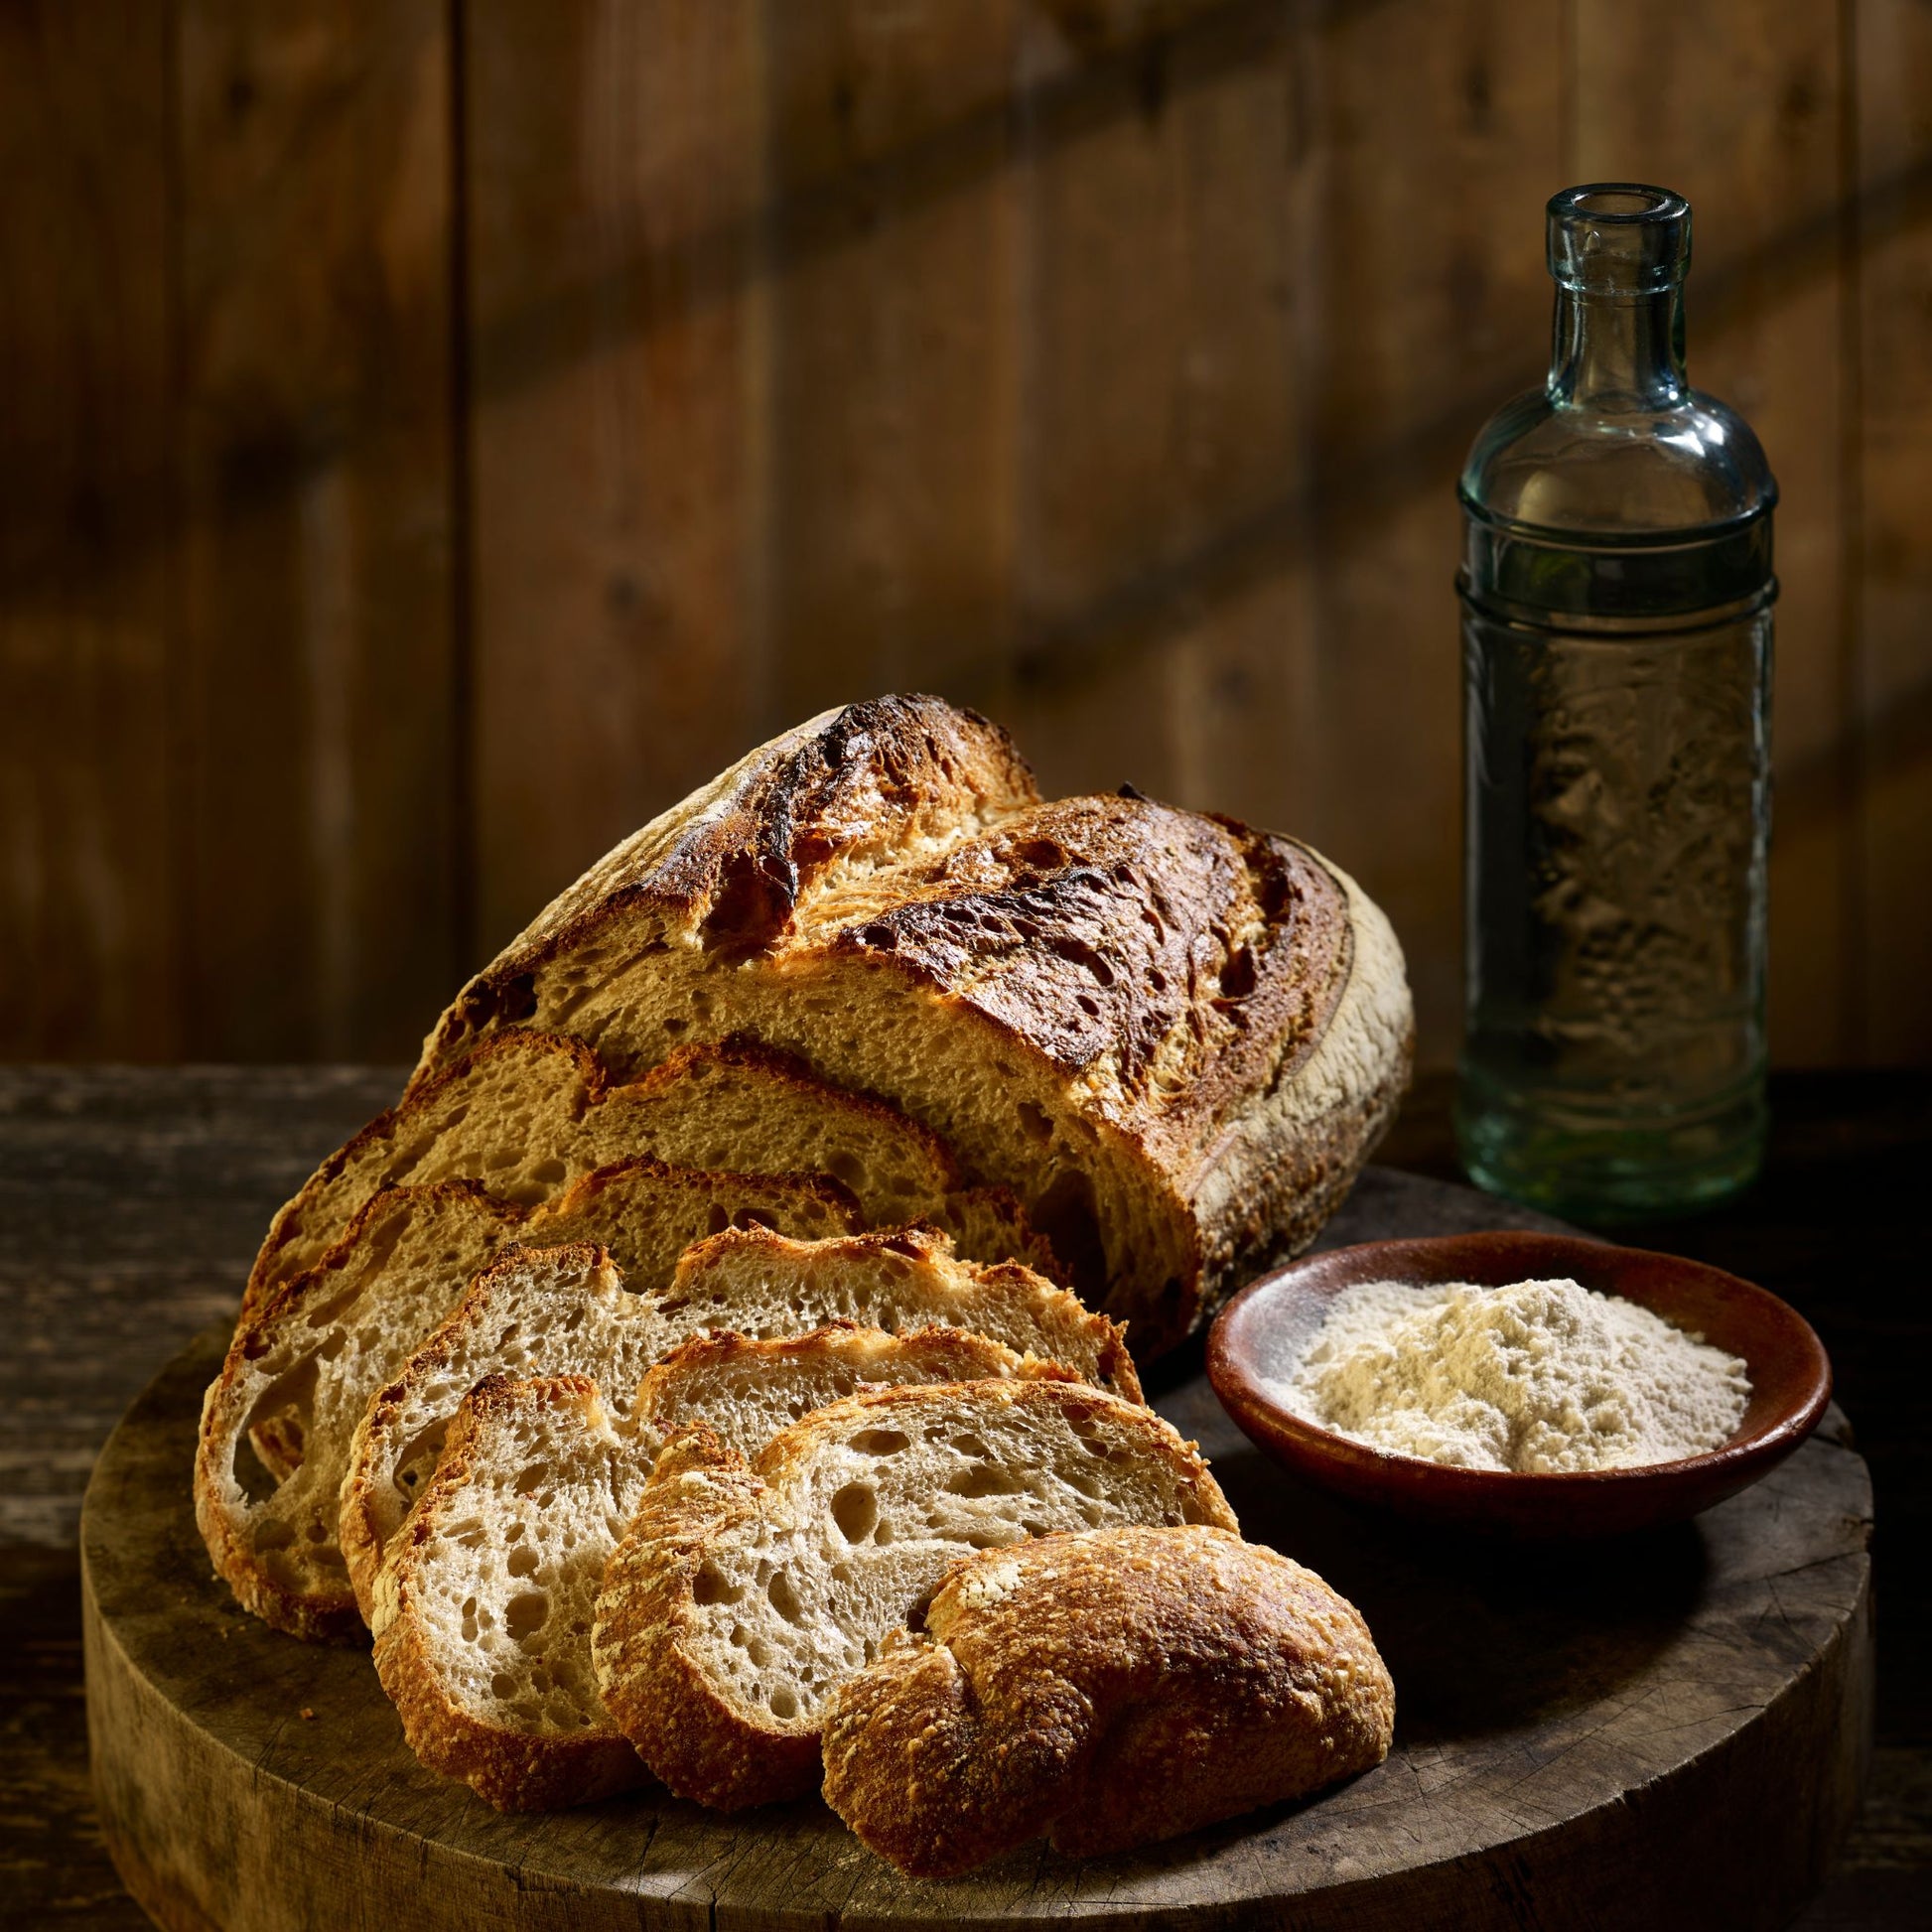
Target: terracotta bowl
[1267,1324]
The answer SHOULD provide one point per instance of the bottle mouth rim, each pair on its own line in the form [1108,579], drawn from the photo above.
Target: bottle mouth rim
[1619,238]
[1605,201]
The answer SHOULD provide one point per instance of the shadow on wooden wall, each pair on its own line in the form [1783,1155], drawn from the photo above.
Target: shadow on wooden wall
[441,433]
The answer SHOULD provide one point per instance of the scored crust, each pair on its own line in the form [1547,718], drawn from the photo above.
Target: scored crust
[849,788]
[712,1531]
[1173,1037]
[1108,1690]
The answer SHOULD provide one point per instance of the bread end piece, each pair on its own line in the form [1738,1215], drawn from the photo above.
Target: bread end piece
[1111,1689]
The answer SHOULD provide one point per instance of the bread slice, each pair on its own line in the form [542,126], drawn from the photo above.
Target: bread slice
[1106,1689]
[299,1373]
[745,1278]
[565,1311]
[529,1114]
[1175,1037]
[482,1617]
[745,1392]
[742,1597]
[483,1625]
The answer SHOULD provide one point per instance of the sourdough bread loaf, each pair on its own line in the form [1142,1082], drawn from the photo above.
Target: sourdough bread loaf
[482,1613]
[565,1311]
[1106,1689]
[743,1596]
[527,1114]
[301,1372]
[1174,1038]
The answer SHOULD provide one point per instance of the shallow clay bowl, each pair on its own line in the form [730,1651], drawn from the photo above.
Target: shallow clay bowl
[1265,1326]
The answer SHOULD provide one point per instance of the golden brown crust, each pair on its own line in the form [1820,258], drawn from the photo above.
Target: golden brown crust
[1185,958]
[1109,1689]
[659,1692]
[730,864]
[513,1770]
[1174,982]
[1180,970]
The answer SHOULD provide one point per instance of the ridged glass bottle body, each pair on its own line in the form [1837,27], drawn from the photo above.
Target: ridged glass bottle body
[1617,813]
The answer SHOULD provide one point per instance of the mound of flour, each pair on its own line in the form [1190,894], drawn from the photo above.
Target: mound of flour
[1538,1376]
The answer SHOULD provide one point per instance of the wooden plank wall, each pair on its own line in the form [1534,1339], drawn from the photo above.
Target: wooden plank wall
[441,432]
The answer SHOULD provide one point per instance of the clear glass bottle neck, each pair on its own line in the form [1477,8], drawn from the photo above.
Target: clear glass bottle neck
[1611,352]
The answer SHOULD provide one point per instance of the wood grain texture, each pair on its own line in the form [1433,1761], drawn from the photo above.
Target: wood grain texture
[894,328]
[1672,1736]
[87,917]
[1892,681]
[1749,127]
[1436,309]
[615,180]
[1169,264]
[133,1203]
[315,649]
[445,431]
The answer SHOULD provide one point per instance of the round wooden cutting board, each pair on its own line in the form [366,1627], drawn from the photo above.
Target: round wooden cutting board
[1666,1731]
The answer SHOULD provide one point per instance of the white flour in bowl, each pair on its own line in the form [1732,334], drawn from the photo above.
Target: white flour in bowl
[1537,1376]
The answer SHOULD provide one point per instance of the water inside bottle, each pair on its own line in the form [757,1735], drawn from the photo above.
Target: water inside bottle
[1613,1065]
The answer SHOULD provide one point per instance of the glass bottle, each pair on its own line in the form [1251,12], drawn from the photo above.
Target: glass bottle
[1616,594]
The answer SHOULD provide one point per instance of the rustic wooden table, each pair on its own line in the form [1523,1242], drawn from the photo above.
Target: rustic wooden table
[131,1201]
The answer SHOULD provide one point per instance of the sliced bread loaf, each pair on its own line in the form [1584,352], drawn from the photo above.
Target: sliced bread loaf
[301,1372]
[529,1113]
[1107,1690]
[482,1614]
[565,1311]
[1173,1037]
[742,1597]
